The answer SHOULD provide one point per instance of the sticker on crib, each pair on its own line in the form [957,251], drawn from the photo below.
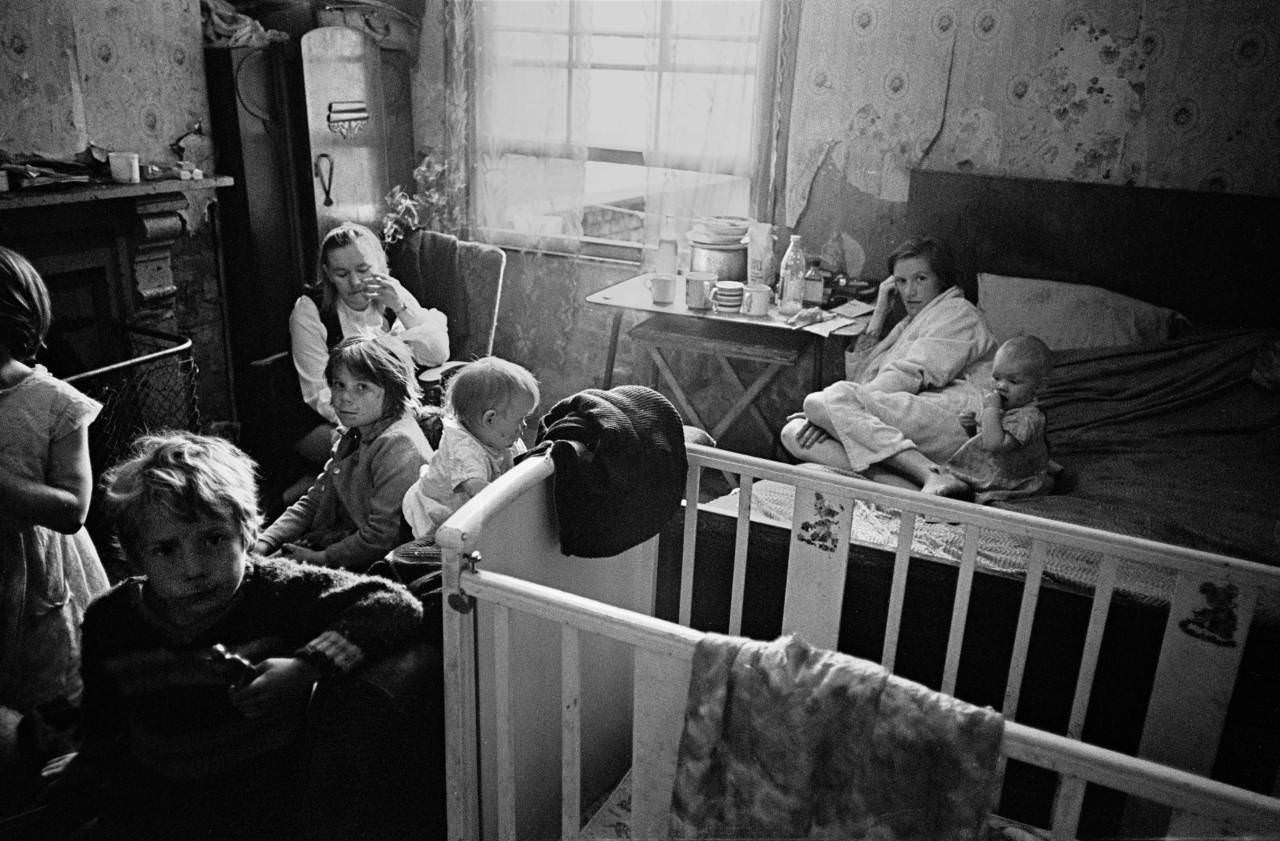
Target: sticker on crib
[822,531]
[1217,621]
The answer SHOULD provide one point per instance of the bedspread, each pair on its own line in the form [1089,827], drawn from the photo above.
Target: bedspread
[1170,442]
[783,740]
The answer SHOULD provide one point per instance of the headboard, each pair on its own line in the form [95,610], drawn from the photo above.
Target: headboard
[1214,257]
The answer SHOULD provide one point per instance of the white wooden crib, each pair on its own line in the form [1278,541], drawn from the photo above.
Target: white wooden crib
[559,680]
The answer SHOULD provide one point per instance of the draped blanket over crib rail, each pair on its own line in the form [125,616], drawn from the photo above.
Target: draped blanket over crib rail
[782,740]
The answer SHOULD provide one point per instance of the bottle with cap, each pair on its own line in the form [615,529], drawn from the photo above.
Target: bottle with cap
[665,261]
[791,273]
[813,284]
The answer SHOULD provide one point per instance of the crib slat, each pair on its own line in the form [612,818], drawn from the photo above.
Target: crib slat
[1102,592]
[816,567]
[743,531]
[1204,639]
[461,720]
[661,690]
[960,608]
[1066,808]
[1022,637]
[691,486]
[570,734]
[506,748]
[1200,653]
[898,589]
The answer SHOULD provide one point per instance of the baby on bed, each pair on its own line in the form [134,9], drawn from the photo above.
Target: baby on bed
[1006,455]
[488,402]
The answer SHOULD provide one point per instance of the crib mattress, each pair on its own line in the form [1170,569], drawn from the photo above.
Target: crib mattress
[877,528]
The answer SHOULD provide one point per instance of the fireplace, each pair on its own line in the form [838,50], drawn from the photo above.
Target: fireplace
[105,252]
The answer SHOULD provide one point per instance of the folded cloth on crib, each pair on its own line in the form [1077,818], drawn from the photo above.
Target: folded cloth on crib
[782,740]
[630,481]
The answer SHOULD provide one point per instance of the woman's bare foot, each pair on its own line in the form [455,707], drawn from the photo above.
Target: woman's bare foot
[941,483]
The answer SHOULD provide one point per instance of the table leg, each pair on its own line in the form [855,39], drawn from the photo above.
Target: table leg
[747,400]
[819,349]
[613,350]
[682,402]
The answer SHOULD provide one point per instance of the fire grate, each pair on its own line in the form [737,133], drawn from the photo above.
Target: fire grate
[153,389]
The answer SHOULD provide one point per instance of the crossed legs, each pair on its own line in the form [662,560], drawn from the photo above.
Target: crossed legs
[807,436]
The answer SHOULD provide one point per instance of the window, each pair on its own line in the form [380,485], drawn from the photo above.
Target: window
[597,118]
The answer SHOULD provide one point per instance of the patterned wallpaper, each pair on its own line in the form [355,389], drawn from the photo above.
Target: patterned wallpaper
[1157,93]
[119,74]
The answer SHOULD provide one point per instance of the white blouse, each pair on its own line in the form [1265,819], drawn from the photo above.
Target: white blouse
[427,339]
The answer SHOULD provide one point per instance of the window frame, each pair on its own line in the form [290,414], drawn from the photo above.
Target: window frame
[759,171]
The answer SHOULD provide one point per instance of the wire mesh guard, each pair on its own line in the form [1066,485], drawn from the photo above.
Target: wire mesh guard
[153,389]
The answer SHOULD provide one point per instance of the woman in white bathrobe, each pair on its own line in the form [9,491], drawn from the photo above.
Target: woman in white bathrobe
[898,415]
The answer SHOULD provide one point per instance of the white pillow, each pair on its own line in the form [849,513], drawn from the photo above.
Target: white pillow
[1071,315]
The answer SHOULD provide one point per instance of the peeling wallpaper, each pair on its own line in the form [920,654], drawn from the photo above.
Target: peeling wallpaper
[118,74]
[126,75]
[1181,94]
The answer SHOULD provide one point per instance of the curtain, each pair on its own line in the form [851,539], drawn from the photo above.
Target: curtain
[596,119]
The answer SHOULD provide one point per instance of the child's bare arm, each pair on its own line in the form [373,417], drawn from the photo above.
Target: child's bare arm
[994,437]
[62,501]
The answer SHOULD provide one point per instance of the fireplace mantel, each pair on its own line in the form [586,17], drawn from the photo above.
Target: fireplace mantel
[139,223]
[45,197]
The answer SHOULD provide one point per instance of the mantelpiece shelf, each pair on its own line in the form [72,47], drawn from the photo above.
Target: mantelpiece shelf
[47,196]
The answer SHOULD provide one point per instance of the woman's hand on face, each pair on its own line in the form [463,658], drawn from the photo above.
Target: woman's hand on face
[381,293]
[888,287]
[811,434]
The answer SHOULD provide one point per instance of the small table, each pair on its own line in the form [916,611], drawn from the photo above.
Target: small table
[763,338]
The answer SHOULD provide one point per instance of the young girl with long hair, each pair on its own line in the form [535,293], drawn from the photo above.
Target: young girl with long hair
[351,516]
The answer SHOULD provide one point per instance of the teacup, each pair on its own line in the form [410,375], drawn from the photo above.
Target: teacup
[698,289]
[663,287]
[727,296]
[756,299]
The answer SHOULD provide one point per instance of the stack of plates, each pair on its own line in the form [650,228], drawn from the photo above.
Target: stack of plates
[719,230]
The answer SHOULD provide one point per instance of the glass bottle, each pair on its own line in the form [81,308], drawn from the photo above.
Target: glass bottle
[791,274]
[813,284]
[665,261]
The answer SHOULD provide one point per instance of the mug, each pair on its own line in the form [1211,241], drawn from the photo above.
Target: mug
[698,288]
[124,167]
[727,296]
[663,287]
[756,299]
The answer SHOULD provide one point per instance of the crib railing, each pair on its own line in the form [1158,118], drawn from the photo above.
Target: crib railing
[662,655]
[1198,665]
[1192,670]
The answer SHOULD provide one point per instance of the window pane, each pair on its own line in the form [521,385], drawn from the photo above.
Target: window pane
[716,18]
[621,112]
[614,50]
[530,14]
[509,112]
[596,118]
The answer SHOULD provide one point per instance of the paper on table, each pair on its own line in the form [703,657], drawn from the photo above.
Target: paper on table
[853,308]
[829,326]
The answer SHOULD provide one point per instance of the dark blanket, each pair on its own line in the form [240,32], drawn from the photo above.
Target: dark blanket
[1171,442]
[782,740]
[631,479]
[426,262]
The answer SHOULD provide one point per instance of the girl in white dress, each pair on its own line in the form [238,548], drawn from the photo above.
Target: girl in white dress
[49,568]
